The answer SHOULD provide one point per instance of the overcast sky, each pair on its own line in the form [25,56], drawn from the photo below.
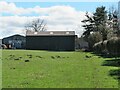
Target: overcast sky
[62,16]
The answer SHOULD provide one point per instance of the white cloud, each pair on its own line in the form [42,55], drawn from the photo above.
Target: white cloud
[57,18]
[11,8]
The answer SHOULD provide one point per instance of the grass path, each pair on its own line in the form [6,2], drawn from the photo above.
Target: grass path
[55,70]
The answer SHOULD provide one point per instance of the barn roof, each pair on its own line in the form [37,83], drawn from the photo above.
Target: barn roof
[16,35]
[50,33]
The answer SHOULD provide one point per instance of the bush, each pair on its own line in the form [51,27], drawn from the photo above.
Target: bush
[94,38]
[100,47]
[113,46]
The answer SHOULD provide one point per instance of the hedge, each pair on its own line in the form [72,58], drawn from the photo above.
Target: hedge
[111,46]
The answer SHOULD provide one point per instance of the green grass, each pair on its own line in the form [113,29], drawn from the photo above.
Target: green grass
[55,70]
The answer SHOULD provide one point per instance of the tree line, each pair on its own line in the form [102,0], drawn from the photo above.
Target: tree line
[102,31]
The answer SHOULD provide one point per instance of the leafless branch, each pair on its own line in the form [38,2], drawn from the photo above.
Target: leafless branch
[36,25]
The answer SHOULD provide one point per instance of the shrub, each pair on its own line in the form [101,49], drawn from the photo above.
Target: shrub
[100,47]
[94,38]
[113,46]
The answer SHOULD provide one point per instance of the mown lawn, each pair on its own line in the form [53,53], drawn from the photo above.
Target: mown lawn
[44,69]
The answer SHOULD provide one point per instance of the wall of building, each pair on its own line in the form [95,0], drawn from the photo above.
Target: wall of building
[0,43]
[81,44]
[55,43]
[15,41]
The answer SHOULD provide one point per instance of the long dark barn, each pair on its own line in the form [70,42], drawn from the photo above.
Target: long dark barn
[51,40]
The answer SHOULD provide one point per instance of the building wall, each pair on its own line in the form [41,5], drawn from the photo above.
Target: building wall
[55,43]
[81,44]
[15,41]
[0,43]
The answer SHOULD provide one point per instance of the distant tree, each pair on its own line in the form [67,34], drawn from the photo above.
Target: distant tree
[96,23]
[100,19]
[36,25]
[113,21]
[93,38]
[88,26]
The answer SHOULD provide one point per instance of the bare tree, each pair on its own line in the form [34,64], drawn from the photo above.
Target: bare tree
[36,25]
[113,21]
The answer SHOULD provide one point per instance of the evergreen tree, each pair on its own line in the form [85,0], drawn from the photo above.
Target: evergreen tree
[89,26]
[115,24]
[96,23]
[100,19]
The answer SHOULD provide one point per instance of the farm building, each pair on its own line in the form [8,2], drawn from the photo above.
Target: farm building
[0,43]
[81,43]
[51,40]
[15,41]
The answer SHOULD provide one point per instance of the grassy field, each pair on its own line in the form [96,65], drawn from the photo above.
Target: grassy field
[43,69]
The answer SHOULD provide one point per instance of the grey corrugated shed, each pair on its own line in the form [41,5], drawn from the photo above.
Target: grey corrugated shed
[50,33]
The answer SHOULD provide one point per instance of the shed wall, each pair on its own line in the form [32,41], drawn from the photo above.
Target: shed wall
[55,43]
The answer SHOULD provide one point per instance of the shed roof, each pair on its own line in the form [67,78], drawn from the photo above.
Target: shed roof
[50,33]
[16,35]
